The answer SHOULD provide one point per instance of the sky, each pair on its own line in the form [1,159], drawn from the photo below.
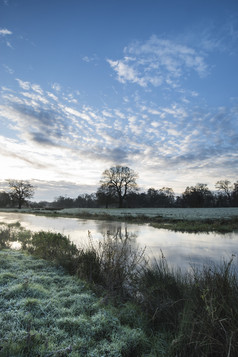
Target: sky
[149,84]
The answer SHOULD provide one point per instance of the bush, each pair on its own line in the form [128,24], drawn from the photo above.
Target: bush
[5,237]
[54,247]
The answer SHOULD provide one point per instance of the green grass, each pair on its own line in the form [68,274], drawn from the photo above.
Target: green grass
[43,310]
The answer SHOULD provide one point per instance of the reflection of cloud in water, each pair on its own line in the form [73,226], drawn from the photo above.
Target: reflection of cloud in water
[15,245]
[180,249]
[196,249]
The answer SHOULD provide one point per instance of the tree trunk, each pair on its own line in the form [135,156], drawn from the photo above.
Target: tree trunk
[120,202]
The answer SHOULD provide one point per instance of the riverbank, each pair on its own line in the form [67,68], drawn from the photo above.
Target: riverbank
[46,312]
[221,220]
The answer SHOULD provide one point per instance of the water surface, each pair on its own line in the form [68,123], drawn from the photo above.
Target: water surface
[180,249]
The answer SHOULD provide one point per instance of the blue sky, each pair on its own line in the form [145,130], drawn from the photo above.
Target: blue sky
[89,84]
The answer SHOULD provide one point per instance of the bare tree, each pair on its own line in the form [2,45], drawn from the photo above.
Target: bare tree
[225,187]
[20,190]
[121,180]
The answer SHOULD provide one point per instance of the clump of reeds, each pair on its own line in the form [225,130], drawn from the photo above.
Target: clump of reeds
[208,324]
[113,263]
[161,294]
[199,309]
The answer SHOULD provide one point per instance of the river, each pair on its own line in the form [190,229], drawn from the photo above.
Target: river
[180,249]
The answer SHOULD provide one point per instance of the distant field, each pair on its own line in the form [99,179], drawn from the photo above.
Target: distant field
[172,213]
[166,213]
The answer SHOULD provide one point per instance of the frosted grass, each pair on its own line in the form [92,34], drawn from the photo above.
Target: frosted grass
[172,213]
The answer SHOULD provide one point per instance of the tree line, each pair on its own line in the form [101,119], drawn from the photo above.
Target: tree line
[118,188]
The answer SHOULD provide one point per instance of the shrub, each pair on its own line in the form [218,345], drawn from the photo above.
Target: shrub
[5,237]
[54,247]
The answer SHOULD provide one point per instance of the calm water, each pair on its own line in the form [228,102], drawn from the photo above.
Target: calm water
[180,249]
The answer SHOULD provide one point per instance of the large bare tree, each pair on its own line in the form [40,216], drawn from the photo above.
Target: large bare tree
[121,180]
[20,190]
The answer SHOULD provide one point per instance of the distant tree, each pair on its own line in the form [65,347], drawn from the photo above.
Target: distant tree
[20,191]
[90,200]
[105,195]
[197,196]
[234,195]
[225,188]
[163,197]
[5,199]
[153,197]
[84,200]
[80,201]
[121,180]
[63,202]
[167,196]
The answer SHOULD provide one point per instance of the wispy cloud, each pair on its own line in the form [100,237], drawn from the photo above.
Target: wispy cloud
[56,87]
[88,59]
[126,72]
[150,137]
[5,32]
[158,61]
[23,84]
[8,69]
[9,152]
[222,38]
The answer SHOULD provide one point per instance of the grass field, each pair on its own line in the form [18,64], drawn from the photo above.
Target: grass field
[45,312]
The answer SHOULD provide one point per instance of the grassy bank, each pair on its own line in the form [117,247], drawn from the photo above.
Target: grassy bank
[220,225]
[45,312]
[177,219]
[150,309]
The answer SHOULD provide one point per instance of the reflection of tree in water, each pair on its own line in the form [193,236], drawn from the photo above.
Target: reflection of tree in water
[116,229]
[121,234]
[120,259]
[12,235]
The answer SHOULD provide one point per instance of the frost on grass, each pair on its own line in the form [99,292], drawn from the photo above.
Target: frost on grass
[173,213]
[43,310]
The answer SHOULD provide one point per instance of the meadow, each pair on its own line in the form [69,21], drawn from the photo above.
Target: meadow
[107,299]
